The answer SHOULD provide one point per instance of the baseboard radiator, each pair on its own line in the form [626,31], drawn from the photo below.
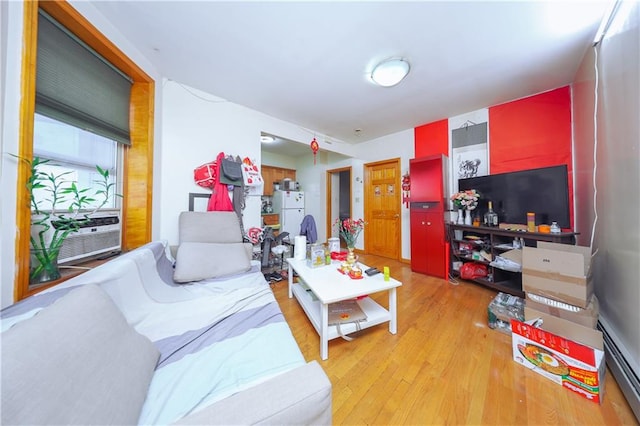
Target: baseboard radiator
[626,378]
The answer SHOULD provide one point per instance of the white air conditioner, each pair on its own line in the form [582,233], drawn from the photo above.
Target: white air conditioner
[102,234]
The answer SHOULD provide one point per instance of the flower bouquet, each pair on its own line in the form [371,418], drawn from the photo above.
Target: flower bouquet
[466,200]
[349,230]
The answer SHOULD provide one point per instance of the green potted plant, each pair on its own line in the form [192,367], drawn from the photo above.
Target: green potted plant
[44,248]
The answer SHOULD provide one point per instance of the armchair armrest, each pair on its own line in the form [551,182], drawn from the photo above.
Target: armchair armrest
[299,396]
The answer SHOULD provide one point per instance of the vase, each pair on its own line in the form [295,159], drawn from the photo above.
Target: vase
[467,217]
[460,217]
[351,256]
[43,266]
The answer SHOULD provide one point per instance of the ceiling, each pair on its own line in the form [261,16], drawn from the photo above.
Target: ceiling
[286,147]
[308,63]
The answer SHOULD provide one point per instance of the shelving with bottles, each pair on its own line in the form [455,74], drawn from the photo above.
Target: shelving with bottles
[482,244]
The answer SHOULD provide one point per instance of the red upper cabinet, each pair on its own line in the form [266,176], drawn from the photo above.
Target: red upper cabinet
[428,179]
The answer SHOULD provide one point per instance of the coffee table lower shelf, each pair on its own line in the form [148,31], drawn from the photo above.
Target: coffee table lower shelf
[376,314]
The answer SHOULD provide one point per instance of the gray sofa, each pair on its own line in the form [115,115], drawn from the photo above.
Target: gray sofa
[146,339]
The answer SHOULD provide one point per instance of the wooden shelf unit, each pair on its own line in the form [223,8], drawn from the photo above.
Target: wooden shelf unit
[496,241]
[272,175]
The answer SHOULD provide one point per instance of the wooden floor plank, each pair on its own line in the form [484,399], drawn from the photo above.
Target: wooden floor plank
[445,365]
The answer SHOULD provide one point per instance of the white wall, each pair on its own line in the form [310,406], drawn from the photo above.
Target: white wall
[477,117]
[397,145]
[10,51]
[197,126]
[276,160]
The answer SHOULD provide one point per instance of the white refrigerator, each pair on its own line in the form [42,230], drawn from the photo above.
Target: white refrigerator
[290,206]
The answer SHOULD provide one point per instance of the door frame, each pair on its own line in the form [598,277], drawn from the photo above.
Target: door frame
[329,174]
[367,186]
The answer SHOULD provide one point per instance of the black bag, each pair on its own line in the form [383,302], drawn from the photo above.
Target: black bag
[231,172]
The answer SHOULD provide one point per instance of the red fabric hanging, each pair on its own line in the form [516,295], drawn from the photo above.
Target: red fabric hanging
[219,200]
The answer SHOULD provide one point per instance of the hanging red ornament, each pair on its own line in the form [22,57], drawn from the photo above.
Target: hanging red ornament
[314,147]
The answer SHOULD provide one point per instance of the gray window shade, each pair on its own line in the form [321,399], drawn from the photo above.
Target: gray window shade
[76,86]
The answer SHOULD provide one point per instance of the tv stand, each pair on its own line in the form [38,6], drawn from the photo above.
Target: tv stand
[495,241]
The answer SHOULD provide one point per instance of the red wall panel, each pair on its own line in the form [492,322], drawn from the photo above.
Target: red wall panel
[524,134]
[431,139]
[530,133]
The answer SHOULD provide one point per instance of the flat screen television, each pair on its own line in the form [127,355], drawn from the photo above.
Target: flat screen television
[543,191]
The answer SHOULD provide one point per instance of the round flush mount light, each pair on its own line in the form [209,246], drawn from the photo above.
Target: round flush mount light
[267,139]
[390,72]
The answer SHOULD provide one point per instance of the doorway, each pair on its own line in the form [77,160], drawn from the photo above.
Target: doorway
[338,197]
[382,208]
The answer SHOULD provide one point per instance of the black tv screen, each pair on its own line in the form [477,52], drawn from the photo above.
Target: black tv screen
[543,191]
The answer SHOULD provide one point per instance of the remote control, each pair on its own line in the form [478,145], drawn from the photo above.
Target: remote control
[372,271]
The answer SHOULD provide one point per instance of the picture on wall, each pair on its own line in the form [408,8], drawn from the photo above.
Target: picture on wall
[469,155]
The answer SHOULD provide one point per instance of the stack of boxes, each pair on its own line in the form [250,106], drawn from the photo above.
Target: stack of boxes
[558,338]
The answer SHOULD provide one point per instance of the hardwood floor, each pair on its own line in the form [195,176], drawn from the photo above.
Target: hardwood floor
[445,365]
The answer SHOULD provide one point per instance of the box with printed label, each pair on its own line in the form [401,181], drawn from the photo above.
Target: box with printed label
[577,367]
[558,271]
[569,329]
[316,256]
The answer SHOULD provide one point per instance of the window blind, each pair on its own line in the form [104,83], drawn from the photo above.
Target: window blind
[77,86]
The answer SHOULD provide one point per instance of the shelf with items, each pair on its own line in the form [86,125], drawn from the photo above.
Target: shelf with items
[466,242]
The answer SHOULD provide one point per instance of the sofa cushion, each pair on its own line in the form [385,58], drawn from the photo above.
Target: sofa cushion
[199,261]
[209,227]
[76,362]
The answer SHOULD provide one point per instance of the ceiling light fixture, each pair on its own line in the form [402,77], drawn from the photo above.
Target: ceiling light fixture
[267,139]
[390,72]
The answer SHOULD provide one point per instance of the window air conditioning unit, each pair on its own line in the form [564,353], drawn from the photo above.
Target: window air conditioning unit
[101,234]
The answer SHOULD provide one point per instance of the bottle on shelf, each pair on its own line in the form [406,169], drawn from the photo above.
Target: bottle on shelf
[491,217]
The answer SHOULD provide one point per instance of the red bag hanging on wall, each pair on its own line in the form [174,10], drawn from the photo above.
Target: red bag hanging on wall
[205,175]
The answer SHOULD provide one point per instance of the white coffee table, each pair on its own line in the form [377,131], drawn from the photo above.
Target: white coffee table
[329,286]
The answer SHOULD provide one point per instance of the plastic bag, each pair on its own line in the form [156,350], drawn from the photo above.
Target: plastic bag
[205,175]
[231,172]
[472,270]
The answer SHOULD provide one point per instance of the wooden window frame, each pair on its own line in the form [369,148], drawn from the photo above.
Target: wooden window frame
[138,158]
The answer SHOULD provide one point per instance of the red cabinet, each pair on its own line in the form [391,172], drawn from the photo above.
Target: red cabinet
[428,177]
[428,251]
[428,246]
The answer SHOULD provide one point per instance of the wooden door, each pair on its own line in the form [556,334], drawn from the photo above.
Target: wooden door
[382,208]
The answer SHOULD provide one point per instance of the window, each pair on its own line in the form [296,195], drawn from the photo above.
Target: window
[82,111]
[74,150]
[137,159]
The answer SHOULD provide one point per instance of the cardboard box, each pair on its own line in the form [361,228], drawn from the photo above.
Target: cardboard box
[558,271]
[316,256]
[587,317]
[502,309]
[560,326]
[572,365]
